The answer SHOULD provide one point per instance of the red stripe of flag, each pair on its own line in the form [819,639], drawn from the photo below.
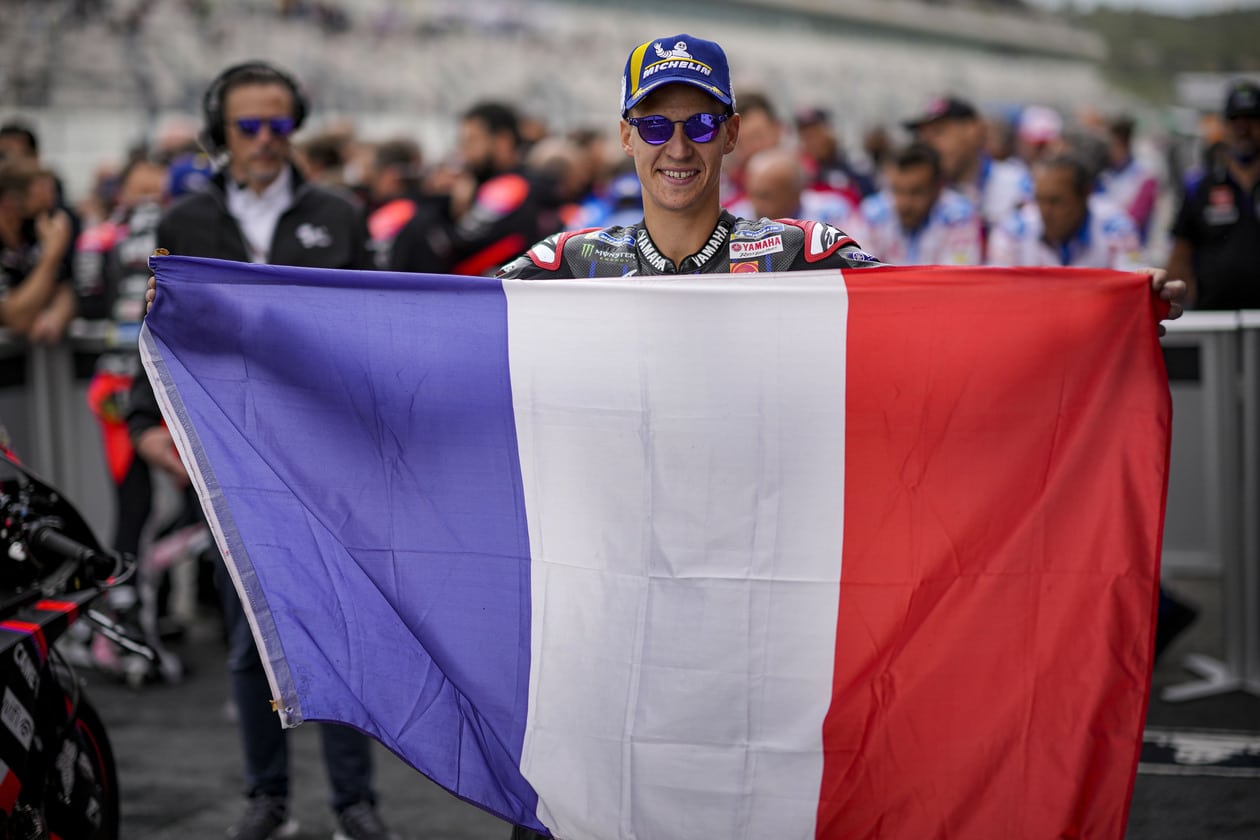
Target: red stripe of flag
[1006,468]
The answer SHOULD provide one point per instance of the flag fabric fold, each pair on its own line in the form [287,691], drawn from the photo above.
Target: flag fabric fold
[798,555]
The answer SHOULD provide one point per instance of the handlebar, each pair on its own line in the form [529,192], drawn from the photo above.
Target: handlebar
[44,535]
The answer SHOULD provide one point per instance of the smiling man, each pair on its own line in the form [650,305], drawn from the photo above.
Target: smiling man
[678,123]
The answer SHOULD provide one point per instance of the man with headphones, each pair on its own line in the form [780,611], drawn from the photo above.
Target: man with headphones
[259,208]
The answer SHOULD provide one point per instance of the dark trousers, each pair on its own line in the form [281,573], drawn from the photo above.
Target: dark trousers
[522,833]
[347,752]
[134,495]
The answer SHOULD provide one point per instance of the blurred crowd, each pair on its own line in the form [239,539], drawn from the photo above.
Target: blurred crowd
[950,185]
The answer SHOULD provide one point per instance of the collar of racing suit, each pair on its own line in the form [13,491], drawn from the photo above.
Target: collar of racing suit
[659,263]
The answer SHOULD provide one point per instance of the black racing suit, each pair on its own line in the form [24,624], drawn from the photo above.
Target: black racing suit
[508,212]
[736,246]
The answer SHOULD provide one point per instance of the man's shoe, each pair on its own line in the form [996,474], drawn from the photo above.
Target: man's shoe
[265,818]
[361,822]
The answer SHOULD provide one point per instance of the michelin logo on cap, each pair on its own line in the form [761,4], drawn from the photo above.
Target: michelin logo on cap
[679,50]
[692,61]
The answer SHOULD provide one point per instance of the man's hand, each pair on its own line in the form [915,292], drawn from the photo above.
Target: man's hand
[157,448]
[150,292]
[47,328]
[53,230]
[1173,291]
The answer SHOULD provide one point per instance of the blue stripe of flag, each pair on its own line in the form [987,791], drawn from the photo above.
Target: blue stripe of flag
[387,527]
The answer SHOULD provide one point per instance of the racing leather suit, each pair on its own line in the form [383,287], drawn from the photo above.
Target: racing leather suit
[736,246]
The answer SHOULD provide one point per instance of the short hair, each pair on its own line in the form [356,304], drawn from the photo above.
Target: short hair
[777,157]
[1077,166]
[917,153]
[585,137]
[17,128]
[138,160]
[400,153]
[1121,128]
[497,117]
[757,101]
[325,151]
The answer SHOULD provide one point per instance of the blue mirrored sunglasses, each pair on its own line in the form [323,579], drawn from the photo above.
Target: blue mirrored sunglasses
[250,126]
[699,128]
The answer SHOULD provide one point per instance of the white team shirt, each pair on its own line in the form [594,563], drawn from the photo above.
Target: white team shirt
[950,236]
[1107,239]
[1133,188]
[259,213]
[1003,187]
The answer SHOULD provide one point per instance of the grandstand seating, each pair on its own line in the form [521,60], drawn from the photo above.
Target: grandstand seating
[413,66]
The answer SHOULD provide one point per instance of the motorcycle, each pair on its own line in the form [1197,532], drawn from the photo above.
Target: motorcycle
[57,773]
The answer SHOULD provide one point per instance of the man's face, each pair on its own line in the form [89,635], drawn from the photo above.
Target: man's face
[774,190]
[818,141]
[146,183]
[1062,208]
[1243,136]
[476,149]
[914,192]
[257,160]
[1117,151]
[757,133]
[680,175]
[957,141]
[13,147]
[41,195]
[760,133]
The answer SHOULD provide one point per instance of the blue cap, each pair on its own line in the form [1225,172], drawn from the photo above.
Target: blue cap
[677,59]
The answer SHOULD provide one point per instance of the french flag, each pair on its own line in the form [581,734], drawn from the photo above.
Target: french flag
[813,555]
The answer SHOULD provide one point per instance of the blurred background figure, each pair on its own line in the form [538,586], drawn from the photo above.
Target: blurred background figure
[561,174]
[492,213]
[916,219]
[619,203]
[593,145]
[1040,130]
[760,128]
[1126,180]
[952,126]
[1216,236]
[323,159]
[37,297]
[1067,224]
[117,251]
[394,193]
[778,188]
[827,165]
[999,137]
[877,145]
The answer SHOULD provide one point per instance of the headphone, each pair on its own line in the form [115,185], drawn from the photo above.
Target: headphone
[249,72]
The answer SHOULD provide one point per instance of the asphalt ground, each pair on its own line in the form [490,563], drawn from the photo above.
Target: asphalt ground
[179,759]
